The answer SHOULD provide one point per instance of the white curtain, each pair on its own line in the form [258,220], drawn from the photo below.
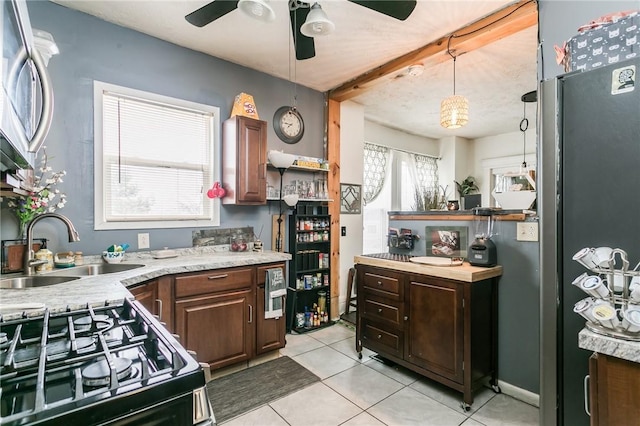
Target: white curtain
[376,158]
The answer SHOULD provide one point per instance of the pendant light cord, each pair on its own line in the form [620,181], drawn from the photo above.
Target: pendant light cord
[524,125]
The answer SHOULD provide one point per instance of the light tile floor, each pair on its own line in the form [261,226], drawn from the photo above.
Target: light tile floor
[366,392]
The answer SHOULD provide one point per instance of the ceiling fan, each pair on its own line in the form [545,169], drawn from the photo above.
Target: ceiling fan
[298,11]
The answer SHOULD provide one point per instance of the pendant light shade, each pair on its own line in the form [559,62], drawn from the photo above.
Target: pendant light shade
[258,9]
[454,112]
[317,23]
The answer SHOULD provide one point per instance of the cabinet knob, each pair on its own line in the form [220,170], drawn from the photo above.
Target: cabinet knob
[379,282]
[379,310]
[379,336]
[406,318]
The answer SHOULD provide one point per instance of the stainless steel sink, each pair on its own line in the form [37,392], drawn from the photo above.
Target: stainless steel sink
[95,269]
[34,281]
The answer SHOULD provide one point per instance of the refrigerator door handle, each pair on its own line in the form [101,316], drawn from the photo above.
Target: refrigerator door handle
[586,395]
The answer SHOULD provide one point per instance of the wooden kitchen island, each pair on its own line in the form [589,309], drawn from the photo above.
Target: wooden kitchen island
[440,322]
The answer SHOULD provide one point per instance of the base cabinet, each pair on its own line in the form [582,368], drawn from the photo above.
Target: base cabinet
[443,329]
[614,391]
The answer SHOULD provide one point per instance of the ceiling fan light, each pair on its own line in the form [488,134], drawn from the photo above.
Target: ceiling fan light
[454,112]
[317,23]
[258,9]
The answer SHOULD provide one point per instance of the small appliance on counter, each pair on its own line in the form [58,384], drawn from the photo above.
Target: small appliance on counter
[482,251]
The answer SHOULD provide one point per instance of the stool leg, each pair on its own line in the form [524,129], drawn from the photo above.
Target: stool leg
[349,289]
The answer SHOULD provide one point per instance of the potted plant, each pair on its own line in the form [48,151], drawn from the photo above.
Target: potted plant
[467,190]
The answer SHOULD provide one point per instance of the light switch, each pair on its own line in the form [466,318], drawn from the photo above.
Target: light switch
[527,231]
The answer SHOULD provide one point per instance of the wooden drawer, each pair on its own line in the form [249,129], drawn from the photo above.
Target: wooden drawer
[213,281]
[383,310]
[385,284]
[381,339]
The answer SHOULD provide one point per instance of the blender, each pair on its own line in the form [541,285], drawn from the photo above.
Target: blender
[482,251]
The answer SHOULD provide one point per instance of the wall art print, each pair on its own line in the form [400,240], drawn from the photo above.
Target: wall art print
[446,241]
[350,198]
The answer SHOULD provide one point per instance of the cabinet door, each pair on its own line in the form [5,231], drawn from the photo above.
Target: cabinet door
[245,160]
[270,333]
[435,326]
[615,391]
[147,295]
[219,328]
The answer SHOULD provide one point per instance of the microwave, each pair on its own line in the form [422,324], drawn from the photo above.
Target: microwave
[26,98]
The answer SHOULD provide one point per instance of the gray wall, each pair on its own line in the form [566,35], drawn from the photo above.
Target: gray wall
[518,294]
[92,49]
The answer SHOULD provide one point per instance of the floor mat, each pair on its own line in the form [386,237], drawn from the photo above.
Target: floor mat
[245,390]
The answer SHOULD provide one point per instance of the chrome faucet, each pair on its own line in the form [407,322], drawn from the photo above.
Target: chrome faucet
[29,258]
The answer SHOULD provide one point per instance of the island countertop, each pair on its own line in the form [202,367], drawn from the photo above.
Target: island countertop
[464,272]
[99,290]
[619,348]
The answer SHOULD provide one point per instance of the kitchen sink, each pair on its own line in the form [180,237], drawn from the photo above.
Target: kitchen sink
[95,269]
[34,281]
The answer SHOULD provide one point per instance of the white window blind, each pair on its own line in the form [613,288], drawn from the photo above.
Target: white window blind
[157,160]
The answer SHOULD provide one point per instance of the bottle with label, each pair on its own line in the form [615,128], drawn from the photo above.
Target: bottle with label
[47,255]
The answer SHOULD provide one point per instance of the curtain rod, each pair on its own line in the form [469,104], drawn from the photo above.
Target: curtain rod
[405,151]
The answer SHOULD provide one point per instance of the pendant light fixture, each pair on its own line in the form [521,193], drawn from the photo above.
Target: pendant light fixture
[257,9]
[317,23]
[454,110]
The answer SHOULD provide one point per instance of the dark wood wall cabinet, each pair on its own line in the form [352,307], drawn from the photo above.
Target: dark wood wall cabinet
[614,391]
[244,161]
[441,328]
[218,314]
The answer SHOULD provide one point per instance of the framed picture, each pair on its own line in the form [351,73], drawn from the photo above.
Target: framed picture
[350,198]
[447,241]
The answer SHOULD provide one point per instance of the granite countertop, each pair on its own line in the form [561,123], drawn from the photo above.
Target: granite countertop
[619,348]
[464,272]
[98,290]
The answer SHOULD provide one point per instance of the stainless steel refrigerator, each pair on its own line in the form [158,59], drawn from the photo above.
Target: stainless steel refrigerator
[589,172]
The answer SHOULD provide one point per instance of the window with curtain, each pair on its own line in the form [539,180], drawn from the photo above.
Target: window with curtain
[154,160]
[396,179]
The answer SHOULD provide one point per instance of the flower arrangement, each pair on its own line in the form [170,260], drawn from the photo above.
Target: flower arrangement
[43,197]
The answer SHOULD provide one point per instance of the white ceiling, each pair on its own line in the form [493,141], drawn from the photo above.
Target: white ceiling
[493,78]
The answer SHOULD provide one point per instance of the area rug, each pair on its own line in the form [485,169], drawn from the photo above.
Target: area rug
[245,390]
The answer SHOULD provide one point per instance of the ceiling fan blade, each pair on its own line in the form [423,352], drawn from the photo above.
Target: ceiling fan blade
[210,12]
[305,47]
[399,9]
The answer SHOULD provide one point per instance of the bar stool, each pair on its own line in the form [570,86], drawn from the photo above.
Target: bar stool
[351,300]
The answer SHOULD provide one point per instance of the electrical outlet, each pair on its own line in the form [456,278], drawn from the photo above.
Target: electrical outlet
[527,231]
[143,241]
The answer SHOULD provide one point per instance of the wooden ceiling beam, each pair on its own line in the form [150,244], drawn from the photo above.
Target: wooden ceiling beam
[496,26]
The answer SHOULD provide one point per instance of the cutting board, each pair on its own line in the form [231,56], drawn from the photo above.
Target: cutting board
[436,261]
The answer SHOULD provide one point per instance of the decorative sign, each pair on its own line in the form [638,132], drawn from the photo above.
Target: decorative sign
[350,198]
[245,106]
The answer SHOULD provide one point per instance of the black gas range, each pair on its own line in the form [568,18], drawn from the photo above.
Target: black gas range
[111,365]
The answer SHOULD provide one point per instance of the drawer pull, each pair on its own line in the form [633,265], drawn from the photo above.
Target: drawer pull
[217,277]
[379,310]
[379,336]
[379,282]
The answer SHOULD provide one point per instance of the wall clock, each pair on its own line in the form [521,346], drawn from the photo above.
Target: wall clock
[288,124]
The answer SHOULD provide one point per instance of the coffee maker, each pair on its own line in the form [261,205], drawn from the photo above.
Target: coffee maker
[482,251]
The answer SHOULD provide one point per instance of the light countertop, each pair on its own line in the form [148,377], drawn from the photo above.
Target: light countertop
[99,290]
[464,272]
[619,348]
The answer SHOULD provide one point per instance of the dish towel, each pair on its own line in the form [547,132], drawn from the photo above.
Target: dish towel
[275,289]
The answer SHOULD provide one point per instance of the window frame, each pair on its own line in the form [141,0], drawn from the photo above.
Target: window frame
[100,221]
